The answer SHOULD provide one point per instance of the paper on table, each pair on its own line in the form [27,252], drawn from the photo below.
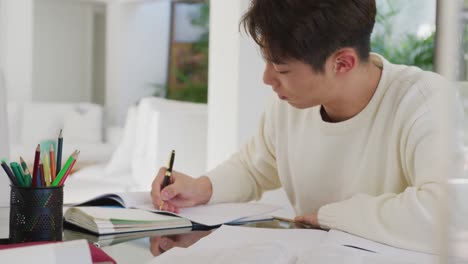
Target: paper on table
[335,254]
[73,252]
[289,245]
[231,244]
[250,253]
[338,237]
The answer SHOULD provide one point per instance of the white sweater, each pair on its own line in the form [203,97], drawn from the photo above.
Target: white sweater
[379,175]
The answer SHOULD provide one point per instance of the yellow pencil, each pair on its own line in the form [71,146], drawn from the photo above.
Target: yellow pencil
[47,178]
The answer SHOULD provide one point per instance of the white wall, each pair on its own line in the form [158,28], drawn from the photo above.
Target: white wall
[4,143]
[237,95]
[253,93]
[2,32]
[99,58]
[138,41]
[17,46]
[62,54]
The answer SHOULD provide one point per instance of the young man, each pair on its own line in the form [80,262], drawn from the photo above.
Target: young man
[353,139]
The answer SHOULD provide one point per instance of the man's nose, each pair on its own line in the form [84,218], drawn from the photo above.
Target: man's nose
[268,75]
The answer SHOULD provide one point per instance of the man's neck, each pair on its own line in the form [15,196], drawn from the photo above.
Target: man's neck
[355,96]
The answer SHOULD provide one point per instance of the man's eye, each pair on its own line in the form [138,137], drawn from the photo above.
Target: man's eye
[283,72]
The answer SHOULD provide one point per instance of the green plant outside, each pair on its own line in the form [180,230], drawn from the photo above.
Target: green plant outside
[195,92]
[411,50]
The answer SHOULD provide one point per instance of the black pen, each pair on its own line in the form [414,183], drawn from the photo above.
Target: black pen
[167,176]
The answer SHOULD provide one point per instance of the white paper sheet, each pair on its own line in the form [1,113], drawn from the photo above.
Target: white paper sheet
[235,244]
[336,237]
[231,244]
[73,252]
[217,214]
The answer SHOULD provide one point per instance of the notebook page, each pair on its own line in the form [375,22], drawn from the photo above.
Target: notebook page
[136,199]
[217,214]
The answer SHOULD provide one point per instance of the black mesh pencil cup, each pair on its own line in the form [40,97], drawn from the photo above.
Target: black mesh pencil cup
[36,214]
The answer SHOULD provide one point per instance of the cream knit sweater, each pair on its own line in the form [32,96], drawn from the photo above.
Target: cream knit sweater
[380,175]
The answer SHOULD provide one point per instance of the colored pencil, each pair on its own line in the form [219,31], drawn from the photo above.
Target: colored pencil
[19,177]
[62,181]
[53,172]
[59,153]
[63,171]
[26,178]
[46,170]
[10,174]
[26,172]
[38,183]
[43,182]
[37,157]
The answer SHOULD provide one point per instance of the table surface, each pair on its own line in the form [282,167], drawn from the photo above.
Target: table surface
[144,246]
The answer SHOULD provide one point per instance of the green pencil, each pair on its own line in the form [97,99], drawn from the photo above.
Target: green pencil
[15,167]
[26,172]
[64,169]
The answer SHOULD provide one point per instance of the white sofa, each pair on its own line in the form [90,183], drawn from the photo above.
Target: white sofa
[82,124]
[152,130]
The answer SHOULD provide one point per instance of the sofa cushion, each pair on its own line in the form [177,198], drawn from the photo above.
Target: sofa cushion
[14,113]
[80,122]
[164,125]
[121,158]
[41,121]
[83,123]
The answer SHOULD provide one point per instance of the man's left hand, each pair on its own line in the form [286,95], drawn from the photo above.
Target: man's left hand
[309,219]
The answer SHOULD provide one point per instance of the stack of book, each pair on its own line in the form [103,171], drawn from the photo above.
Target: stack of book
[110,220]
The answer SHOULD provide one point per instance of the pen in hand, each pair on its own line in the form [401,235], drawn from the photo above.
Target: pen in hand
[167,176]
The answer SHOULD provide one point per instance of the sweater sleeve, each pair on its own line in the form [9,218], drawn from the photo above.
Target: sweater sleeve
[249,172]
[410,219]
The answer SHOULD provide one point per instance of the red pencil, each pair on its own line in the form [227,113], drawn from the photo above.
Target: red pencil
[37,157]
[64,178]
[43,182]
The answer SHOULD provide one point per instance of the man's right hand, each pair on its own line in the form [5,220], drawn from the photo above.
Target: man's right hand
[184,191]
[161,244]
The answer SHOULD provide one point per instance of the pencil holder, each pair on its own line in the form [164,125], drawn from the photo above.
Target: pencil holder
[36,214]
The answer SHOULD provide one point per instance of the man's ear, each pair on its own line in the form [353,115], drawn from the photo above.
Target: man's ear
[344,60]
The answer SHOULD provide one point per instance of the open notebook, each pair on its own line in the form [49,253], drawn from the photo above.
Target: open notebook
[206,215]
